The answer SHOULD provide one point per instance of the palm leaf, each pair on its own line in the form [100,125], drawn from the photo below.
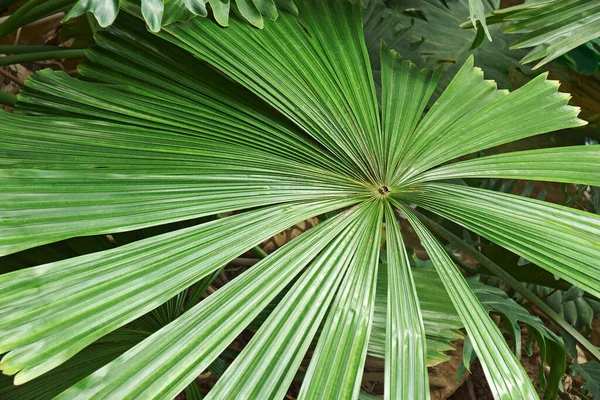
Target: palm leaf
[477,17]
[87,294]
[184,348]
[506,377]
[440,320]
[266,367]
[132,191]
[406,91]
[574,164]
[69,373]
[530,228]
[405,353]
[334,66]
[200,120]
[337,363]
[472,115]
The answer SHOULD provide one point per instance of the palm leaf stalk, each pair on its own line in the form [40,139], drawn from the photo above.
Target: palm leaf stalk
[153,133]
[41,56]
[31,11]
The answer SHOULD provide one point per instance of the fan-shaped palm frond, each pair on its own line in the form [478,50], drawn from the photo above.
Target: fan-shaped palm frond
[154,133]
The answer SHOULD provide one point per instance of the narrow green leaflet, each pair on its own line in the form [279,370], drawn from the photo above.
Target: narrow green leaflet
[267,8]
[507,378]
[220,9]
[250,12]
[551,27]
[73,203]
[440,320]
[523,290]
[92,295]
[163,88]
[406,374]
[161,366]
[69,373]
[267,365]
[273,126]
[573,164]
[562,240]
[287,5]
[192,392]
[477,16]
[366,396]
[472,115]
[406,91]
[336,366]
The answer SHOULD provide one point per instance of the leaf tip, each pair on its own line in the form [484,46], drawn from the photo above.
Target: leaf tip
[20,379]
[579,121]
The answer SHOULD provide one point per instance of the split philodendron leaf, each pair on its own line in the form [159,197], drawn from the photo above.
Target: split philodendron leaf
[280,124]
[159,13]
[432,39]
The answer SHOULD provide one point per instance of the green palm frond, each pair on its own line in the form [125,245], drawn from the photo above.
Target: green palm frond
[551,27]
[440,320]
[276,125]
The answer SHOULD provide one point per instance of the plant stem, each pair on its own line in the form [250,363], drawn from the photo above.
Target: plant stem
[46,9]
[31,12]
[14,21]
[39,56]
[515,284]
[26,49]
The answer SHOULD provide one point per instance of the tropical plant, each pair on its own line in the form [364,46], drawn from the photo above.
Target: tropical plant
[551,347]
[280,124]
[591,372]
[584,59]
[156,13]
[551,27]
[425,32]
